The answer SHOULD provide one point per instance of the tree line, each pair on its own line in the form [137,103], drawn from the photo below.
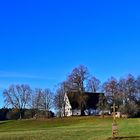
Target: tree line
[125,93]
[22,97]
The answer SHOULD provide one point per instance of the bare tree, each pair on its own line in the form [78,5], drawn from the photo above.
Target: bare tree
[82,102]
[138,89]
[59,99]
[102,104]
[131,88]
[123,90]
[77,78]
[37,98]
[138,83]
[128,89]
[43,99]
[93,84]
[111,90]
[18,96]
[47,99]
[76,83]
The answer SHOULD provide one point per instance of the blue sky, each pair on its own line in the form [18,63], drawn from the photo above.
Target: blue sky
[42,41]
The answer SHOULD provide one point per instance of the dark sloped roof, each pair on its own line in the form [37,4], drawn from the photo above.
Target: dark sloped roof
[91,99]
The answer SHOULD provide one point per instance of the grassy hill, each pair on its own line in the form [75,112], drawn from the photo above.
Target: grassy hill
[73,128]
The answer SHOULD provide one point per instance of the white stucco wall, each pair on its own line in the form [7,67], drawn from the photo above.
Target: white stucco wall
[76,112]
[68,108]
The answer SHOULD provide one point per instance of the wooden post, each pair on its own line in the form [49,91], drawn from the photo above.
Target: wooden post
[114,124]
[114,112]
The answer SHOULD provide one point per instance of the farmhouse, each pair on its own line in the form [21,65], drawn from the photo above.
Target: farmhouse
[73,99]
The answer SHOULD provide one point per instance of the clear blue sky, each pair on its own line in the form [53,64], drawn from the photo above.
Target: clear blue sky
[42,41]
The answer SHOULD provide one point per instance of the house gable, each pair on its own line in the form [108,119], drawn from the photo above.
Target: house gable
[67,110]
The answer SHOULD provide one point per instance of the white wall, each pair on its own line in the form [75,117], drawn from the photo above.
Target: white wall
[68,108]
[76,112]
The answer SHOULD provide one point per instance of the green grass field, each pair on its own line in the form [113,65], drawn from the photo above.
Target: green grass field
[75,128]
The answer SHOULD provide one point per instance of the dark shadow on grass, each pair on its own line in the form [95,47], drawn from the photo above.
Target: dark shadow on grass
[2,122]
[121,138]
